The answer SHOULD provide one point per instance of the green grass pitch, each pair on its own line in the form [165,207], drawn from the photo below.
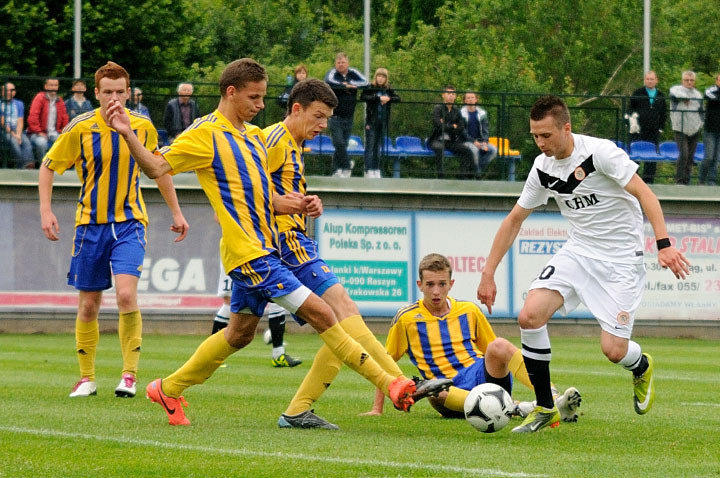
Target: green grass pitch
[234,419]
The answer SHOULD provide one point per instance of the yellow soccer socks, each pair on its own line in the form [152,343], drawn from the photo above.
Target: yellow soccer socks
[356,357]
[87,336]
[518,370]
[356,327]
[130,333]
[326,365]
[455,399]
[203,363]
[323,371]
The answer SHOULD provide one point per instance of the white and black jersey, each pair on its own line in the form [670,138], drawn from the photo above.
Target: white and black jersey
[589,188]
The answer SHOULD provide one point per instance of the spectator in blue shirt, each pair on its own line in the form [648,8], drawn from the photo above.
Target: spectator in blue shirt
[78,104]
[137,105]
[12,112]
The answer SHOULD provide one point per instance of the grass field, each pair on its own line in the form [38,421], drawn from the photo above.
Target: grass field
[234,419]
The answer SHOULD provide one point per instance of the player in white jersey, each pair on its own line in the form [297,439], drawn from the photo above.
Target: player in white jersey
[601,265]
[276,323]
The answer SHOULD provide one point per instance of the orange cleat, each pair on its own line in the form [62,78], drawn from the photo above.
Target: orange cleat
[401,390]
[172,406]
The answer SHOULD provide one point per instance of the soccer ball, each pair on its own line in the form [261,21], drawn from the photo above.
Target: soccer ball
[267,337]
[488,407]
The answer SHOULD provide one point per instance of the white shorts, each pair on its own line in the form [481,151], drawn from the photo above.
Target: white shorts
[610,290]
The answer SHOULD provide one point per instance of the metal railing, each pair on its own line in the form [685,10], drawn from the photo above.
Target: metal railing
[508,113]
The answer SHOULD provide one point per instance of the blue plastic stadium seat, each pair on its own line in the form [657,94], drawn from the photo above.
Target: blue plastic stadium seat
[669,150]
[699,152]
[162,137]
[326,145]
[411,146]
[312,146]
[620,144]
[644,151]
[320,144]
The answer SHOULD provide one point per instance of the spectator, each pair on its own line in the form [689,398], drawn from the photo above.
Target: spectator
[708,168]
[478,130]
[46,119]
[77,104]
[299,74]
[180,112]
[378,97]
[345,82]
[137,105]
[12,112]
[449,134]
[648,114]
[686,116]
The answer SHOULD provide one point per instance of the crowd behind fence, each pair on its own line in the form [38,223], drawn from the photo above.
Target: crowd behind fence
[508,112]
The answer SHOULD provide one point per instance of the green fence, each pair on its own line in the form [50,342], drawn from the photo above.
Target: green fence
[601,116]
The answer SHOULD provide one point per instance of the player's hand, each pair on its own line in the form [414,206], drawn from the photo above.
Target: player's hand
[313,206]
[487,291]
[118,118]
[179,226]
[372,413]
[675,260]
[50,226]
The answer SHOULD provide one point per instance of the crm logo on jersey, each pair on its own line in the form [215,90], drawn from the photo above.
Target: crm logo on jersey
[623,317]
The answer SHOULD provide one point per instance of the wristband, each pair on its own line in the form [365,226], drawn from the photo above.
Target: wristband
[663,243]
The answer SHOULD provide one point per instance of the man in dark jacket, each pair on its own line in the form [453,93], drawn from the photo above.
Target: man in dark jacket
[344,82]
[708,168]
[648,112]
[180,112]
[449,134]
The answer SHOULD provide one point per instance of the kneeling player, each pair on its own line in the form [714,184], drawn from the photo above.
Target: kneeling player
[446,338]
[310,104]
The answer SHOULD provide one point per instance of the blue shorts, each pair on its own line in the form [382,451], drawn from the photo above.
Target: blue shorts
[299,254]
[257,281]
[472,376]
[102,250]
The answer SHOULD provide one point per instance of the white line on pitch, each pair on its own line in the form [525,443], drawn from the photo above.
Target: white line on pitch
[700,404]
[292,456]
[690,377]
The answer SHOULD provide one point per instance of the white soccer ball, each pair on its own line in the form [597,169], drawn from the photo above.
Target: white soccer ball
[488,407]
[267,337]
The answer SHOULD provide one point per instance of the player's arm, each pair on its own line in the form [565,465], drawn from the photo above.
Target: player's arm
[153,165]
[396,346]
[48,221]
[378,405]
[504,238]
[667,256]
[297,203]
[167,189]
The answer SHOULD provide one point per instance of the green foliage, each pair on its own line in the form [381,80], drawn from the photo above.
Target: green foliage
[234,415]
[27,49]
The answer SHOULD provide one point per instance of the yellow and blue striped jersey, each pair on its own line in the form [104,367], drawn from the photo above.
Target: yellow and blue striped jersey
[110,177]
[287,169]
[231,167]
[440,346]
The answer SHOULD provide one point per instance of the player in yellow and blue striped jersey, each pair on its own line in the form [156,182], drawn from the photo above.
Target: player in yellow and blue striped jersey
[110,223]
[229,156]
[310,104]
[447,338]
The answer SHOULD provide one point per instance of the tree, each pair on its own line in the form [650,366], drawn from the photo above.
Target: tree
[145,37]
